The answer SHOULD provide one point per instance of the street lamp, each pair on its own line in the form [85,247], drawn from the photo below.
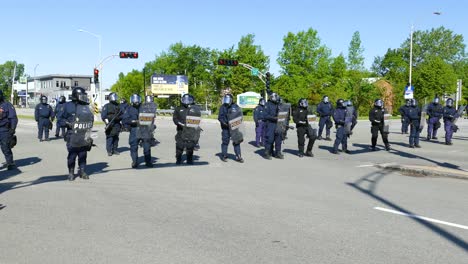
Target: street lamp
[99,60]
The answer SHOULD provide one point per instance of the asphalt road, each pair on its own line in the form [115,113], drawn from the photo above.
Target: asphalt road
[296,210]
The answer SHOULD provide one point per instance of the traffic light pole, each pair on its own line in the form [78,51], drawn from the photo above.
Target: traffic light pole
[260,75]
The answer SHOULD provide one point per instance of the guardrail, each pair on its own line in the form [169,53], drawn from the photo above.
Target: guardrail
[170,111]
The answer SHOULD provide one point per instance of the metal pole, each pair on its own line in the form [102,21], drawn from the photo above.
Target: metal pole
[411,55]
[12,83]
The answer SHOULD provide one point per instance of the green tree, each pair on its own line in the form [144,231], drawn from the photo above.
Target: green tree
[305,66]
[6,75]
[433,77]
[128,84]
[355,53]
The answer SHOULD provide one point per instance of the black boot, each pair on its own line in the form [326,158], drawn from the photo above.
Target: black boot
[83,174]
[190,157]
[178,156]
[71,175]
[267,155]
[239,159]
[309,153]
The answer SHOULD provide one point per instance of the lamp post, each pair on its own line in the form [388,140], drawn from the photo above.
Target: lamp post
[98,61]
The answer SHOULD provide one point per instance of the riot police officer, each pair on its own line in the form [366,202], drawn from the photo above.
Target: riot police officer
[339,116]
[230,111]
[79,120]
[258,116]
[303,128]
[44,115]
[449,114]
[414,117]
[131,118]
[112,116]
[8,123]
[404,117]
[435,112]
[186,117]
[59,108]
[273,135]
[325,110]
[376,117]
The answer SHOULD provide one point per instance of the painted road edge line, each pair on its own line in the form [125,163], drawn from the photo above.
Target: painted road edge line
[421,217]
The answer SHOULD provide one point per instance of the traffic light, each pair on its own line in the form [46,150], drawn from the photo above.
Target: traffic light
[267,80]
[226,62]
[96,75]
[128,55]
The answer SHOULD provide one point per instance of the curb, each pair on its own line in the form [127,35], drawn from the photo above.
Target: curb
[424,171]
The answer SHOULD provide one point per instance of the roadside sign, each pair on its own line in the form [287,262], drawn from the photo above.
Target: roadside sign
[254,71]
[409,92]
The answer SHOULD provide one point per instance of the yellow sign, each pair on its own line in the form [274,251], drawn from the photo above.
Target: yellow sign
[169,84]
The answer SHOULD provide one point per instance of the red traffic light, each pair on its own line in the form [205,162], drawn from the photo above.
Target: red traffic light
[226,62]
[128,55]
[96,71]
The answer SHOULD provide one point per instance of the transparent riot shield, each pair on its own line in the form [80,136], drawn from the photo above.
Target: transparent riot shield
[312,121]
[80,135]
[349,119]
[236,124]
[283,118]
[386,124]
[146,121]
[191,131]
[422,121]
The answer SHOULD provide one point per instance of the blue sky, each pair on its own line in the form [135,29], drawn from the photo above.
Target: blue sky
[46,32]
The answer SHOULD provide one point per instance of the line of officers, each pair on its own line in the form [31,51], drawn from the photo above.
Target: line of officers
[75,121]
[414,117]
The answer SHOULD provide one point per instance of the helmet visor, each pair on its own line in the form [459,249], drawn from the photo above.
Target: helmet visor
[227,100]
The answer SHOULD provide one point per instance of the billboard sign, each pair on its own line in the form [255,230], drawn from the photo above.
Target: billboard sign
[162,84]
[248,99]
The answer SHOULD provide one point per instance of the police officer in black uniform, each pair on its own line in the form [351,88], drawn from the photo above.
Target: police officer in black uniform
[303,129]
[79,120]
[8,123]
[260,127]
[339,116]
[223,117]
[325,110]
[414,117]
[404,117]
[376,117]
[44,115]
[112,115]
[59,108]
[179,118]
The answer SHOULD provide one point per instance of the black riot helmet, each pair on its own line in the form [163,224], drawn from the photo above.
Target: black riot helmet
[449,102]
[261,102]
[325,99]
[349,103]
[413,102]
[408,102]
[79,95]
[113,97]
[274,97]
[43,99]
[62,99]
[436,100]
[227,99]
[378,103]
[303,103]
[135,100]
[1,96]
[340,103]
[187,99]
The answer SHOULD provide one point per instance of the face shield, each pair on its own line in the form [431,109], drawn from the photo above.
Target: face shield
[379,103]
[227,100]
[325,99]
[274,97]
[43,100]
[449,102]
[303,103]
[113,97]
[261,102]
[186,99]
[135,99]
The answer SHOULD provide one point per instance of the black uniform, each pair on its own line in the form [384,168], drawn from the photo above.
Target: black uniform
[376,117]
[179,118]
[303,129]
[112,115]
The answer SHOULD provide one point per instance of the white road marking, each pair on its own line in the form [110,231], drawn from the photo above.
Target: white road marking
[365,166]
[421,217]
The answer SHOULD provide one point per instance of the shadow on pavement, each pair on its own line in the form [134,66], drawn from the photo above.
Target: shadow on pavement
[19,163]
[373,180]
[294,152]
[409,155]
[329,148]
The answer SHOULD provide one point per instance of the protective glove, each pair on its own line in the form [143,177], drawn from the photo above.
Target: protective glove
[12,131]
[224,125]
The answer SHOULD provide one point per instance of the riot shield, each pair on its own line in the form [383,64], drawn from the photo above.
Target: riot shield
[458,115]
[236,125]
[422,121]
[146,118]
[191,131]
[312,120]
[80,135]
[283,118]
[349,119]
[386,123]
